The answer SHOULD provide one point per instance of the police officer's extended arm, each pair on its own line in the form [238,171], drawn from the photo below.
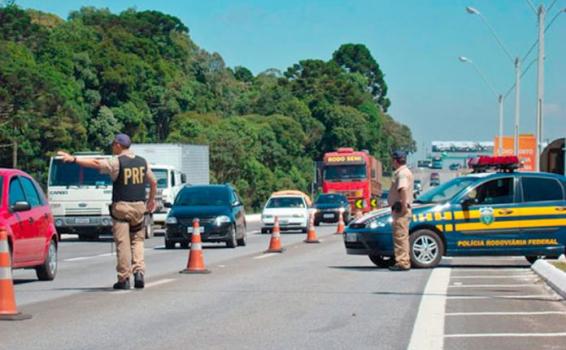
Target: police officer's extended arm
[84,162]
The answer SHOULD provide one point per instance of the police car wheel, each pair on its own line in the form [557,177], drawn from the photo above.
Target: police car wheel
[382,261]
[426,248]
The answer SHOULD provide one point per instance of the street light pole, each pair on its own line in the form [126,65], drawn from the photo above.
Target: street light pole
[517,105]
[540,84]
[499,96]
[517,63]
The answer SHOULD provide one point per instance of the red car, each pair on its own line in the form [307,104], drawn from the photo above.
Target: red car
[26,216]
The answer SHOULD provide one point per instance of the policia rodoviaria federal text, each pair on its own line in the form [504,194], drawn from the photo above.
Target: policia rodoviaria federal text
[130,174]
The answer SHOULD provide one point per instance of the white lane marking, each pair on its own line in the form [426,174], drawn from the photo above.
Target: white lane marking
[515,313]
[498,258]
[525,269]
[107,254]
[428,331]
[491,285]
[80,258]
[254,232]
[268,255]
[519,277]
[534,296]
[159,282]
[504,335]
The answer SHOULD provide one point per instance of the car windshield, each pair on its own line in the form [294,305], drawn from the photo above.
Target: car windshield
[446,191]
[345,172]
[71,174]
[161,177]
[285,202]
[329,199]
[203,196]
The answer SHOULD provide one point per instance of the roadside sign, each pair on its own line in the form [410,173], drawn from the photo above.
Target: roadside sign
[359,203]
[373,202]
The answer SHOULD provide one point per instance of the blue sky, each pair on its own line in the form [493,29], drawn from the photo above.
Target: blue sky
[416,43]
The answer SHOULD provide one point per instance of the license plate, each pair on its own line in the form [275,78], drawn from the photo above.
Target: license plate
[284,222]
[328,216]
[351,237]
[190,230]
[82,221]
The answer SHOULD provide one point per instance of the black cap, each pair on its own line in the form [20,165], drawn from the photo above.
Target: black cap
[399,155]
[122,139]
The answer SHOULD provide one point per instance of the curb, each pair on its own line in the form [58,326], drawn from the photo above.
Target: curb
[553,276]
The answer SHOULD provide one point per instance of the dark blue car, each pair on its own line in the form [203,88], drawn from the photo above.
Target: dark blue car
[219,210]
[504,213]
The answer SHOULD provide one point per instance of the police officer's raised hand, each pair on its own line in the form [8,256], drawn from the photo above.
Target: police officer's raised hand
[150,206]
[67,158]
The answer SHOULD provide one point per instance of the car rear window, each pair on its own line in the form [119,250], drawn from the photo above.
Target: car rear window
[203,196]
[539,189]
[285,202]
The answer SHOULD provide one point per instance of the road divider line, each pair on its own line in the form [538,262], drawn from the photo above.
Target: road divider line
[428,331]
[545,297]
[515,313]
[80,258]
[159,282]
[492,285]
[519,277]
[268,255]
[503,269]
[505,335]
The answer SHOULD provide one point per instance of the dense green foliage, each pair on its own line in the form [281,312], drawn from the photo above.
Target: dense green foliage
[71,84]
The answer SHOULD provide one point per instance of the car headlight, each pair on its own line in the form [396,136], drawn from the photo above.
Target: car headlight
[171,220]
[379,222]
[223,219]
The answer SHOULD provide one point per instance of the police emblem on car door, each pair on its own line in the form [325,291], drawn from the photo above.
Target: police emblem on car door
[486,215]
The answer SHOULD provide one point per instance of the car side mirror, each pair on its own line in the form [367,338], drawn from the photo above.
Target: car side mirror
[167,205]
[21,206]
[236,204]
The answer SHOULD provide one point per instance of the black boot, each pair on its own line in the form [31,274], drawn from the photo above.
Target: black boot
[138,280]
[125,284]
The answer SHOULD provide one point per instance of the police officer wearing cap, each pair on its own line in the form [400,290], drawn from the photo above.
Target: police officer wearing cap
[130,174]
[400,199]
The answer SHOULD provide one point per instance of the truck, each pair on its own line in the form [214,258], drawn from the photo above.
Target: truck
[355,174]
[79,197]
[436,163]
[174,166]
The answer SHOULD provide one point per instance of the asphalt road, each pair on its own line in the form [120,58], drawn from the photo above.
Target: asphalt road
[312,296]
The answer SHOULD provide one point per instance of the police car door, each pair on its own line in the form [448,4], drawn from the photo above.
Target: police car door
[484,221]
[544,214]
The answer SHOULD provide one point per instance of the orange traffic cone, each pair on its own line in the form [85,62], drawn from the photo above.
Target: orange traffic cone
[340,228]
[8,310]
[311,232]
[275,242]
[196,260]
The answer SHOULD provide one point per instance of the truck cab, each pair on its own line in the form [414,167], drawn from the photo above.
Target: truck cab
[79,197]
[169,182]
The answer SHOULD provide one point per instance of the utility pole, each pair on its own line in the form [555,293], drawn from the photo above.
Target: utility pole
[540,85]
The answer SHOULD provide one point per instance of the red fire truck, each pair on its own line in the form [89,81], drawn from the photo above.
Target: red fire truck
[357,175]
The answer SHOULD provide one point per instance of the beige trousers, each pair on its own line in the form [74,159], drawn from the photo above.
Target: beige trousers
[401,239]
[129,245]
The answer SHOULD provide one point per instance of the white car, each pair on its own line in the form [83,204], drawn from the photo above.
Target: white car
[292,211]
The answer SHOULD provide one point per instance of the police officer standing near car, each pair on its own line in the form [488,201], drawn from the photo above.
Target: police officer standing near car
[130,174]
[400,199]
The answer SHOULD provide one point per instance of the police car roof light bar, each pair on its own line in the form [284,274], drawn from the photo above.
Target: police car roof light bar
[500,163]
